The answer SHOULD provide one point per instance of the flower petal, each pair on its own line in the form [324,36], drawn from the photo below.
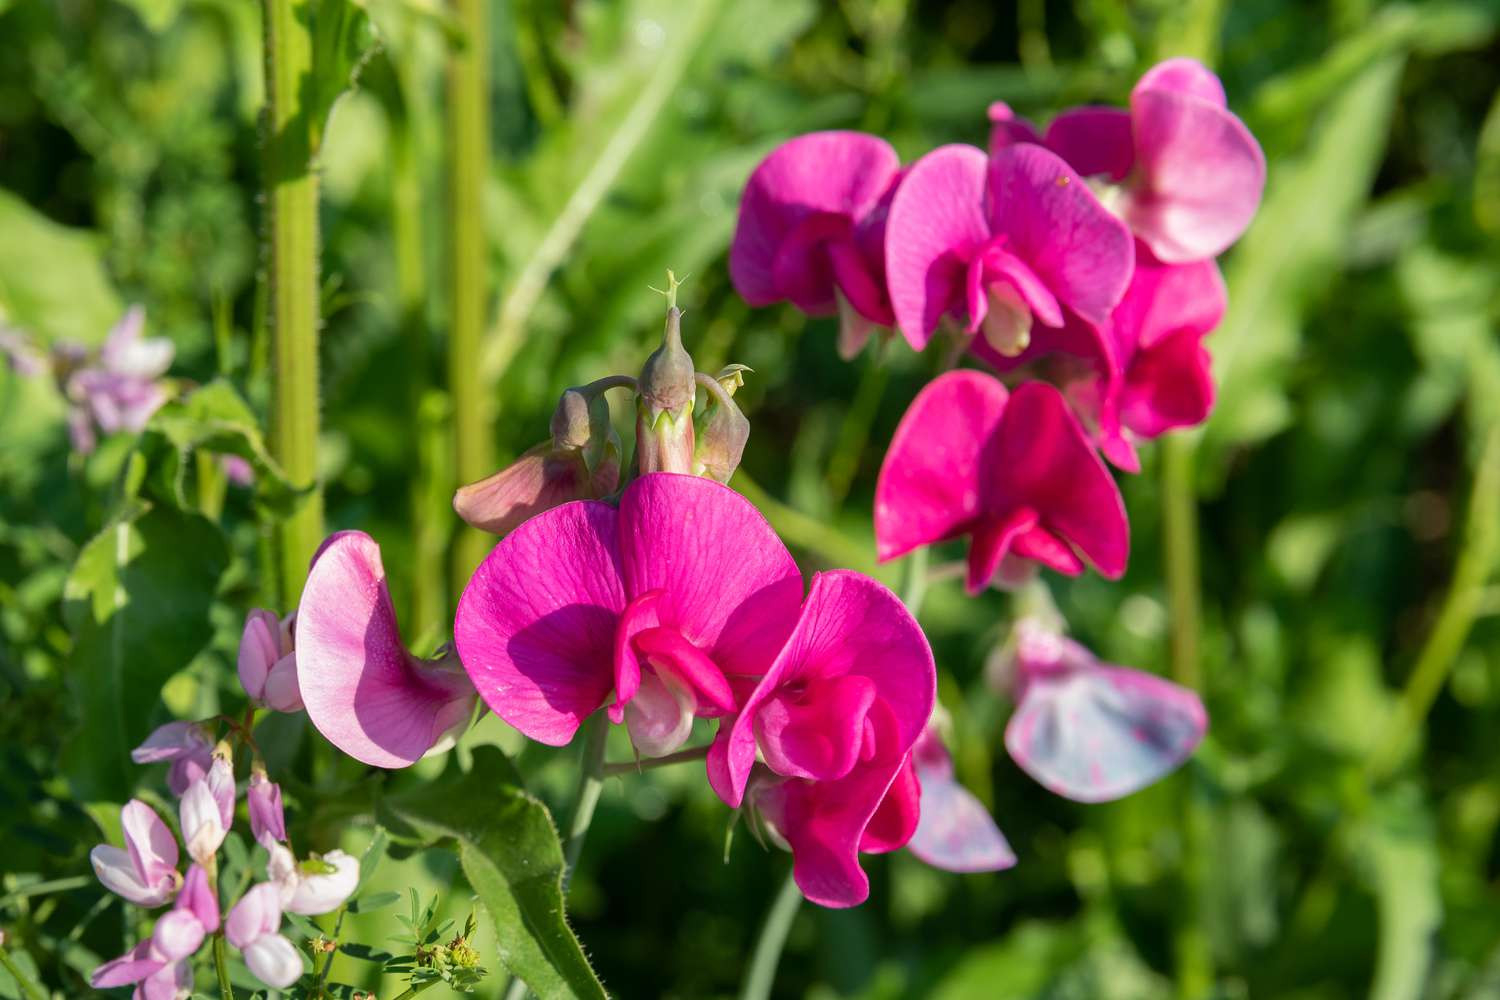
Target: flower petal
[197,898]
[536,624]
[257,914]
[1096,142]
[1170,385]
[1053,222]
[1184,76]
[324,892]
[1008,128]
[273,960]
[363,691]
[929,485]
[539,480]
[936,222]
[817,732]
[260,648]
[177,935]
[728,584]
[1164,299]
[837,175]
[131,967]
[1095,734]
[173,741]
[955,831]
[1202,174]
[893,824]
[1042,460]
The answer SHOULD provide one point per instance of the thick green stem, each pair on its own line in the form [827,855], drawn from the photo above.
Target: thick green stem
[468,165]
[221,968]
[1461,606]
[292,258]
[761,974]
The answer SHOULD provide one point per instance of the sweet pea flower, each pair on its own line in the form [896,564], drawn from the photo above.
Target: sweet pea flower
[263,797]
[835,716]
[1187,174]
[1013,470]
[186,745]
[364,692]
[1006,242]
[154,975]
[318,885]
[253,926]
[118,388]
[811,231]
[145,870]
[268,663]
[207,811]
[954,832]
[1091,731]
[678,600]
[182,929]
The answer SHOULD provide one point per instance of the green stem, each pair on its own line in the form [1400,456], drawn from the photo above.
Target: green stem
[761,973]
[803,531]
[590,785]
[46,888]
[855,433]
[412,991]
[915,580]
[221,967]
[292,202]
[31,989]
[468,166]
[651,763]
[1461,606]
[1180,539]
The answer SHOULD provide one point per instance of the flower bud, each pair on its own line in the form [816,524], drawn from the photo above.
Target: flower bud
[731,377]
[722,432]
[267,665]
[267,819]
[664,406]
[206,811]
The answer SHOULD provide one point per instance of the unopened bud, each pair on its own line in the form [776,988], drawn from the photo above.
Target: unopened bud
[664,406]
[722,431]
[666,381]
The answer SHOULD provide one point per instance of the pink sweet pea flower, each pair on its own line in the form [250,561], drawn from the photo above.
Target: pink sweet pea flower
[155,976]
[207,811]
[1006,242]
[145,870]
[1190,174]
[955,831]
[263,797]
[1014,471]
[1091,731]
[678,600]
[182,929]
[186,745]
[811,231]
[836,714]
[364,692]
[253,926]
[117,389]
[267,662]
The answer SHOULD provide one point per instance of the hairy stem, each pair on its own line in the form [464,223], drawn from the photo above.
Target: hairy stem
[292,258]
[468,165]
[761,973]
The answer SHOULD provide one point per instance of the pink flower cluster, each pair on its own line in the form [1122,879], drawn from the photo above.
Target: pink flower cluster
[144,871]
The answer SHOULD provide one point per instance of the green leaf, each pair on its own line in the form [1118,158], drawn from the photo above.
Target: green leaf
[1400,856]
[343,41]
[510,853]
[213,419]
[52,281]
[137,603]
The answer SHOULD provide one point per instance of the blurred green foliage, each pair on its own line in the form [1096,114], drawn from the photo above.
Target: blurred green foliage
[1317,847]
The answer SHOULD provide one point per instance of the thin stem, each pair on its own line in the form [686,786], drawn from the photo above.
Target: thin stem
[855,432]
[46,888]
[590,785]
[915,580]
[803,531]
[468,166]
[412,991]
[221,967]
[338,927]
[1180,539]
[292,202]
[761,973]
[651,763]
[29,988]
[1461,606]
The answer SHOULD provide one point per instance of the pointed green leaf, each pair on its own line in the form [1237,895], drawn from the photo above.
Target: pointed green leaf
[343,41]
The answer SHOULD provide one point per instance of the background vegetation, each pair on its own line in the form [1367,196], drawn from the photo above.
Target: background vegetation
[1320,558]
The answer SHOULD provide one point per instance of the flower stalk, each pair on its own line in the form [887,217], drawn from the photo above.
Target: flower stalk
[761,974]
[292,251]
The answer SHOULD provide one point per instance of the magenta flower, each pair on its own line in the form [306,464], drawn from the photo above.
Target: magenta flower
[263,797]
[1091,731]
[811,231]
[836,714]
[1189,173]
[186,745]
[678,600]
[1004,242]
[364,692]
[955,831]
[145,870]
[119,388]
[154,975]
[253,926]
[1014,471]
[267,663]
